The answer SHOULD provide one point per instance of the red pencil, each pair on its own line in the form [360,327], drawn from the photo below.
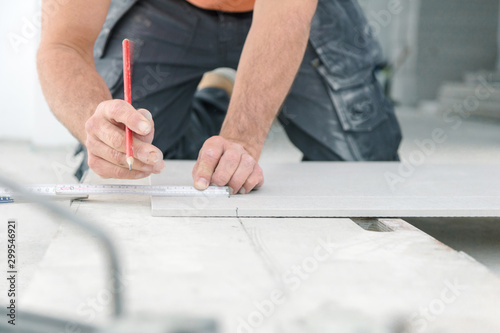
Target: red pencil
[127,86]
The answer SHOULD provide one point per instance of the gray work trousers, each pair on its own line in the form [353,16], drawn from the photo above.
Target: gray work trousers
[335,110]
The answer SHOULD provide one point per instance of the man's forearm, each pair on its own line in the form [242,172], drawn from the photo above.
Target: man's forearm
[270,60]
[71,85]
[79,97]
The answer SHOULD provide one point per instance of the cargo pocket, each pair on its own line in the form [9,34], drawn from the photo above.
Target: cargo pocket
[347,55]
[359,107]
[367,119]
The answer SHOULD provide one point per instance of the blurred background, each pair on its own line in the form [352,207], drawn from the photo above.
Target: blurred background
[437,50]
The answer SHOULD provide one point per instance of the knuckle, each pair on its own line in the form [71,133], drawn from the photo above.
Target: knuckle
[113,108]
[235,184]
[92,162]
[101,107]
[215,140]
[95,165]
[121,173]
[116,141]
[211,147]
[247,161]
[116,157]
[237,146]
[220,179]
[132,118]
[90,125]
[89,143]
[252,182]
[258,172]
[209,153]
[260,177]
[140,150]
[233,156]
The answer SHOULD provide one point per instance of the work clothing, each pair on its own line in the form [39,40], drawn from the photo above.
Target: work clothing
[336,110]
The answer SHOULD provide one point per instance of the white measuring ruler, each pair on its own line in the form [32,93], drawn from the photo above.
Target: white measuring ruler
[84,190]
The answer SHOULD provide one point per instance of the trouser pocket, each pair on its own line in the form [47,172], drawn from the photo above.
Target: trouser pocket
[367,118]
[347,56]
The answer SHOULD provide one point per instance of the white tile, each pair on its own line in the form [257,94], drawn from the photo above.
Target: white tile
[327,189]
[229,269]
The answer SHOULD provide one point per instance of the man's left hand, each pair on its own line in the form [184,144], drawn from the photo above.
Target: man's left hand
[225,162]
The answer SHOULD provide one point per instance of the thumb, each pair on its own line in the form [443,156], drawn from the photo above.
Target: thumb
[149,137]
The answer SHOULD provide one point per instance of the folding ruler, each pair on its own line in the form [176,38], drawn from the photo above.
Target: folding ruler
[84,190]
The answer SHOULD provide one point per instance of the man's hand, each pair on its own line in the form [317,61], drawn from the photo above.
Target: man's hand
[226,162]
[105,141]
[271,57]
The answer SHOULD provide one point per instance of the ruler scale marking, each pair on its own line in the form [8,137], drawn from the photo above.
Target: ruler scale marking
[74,190]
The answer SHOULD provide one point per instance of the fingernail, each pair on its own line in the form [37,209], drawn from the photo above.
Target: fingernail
[154,157]
[148,115]
[140,175]
[144,127]
[242,191]
[201,183]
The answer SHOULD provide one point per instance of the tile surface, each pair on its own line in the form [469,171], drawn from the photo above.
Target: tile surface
[263,274]
[328,189]
[266,274]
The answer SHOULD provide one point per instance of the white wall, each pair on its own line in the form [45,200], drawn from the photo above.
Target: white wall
[24,115]
[397,29]
[498,40]
[454,37]
[405,33]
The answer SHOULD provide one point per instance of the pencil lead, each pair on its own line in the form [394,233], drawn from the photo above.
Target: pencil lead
[130,161]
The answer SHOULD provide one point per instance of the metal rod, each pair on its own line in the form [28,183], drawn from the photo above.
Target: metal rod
[85,225]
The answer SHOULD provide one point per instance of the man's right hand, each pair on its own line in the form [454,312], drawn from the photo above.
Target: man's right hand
[105,141]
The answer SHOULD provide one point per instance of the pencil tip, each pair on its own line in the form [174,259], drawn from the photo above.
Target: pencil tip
[130,161]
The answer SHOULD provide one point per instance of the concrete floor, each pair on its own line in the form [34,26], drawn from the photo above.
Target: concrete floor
[470,141]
